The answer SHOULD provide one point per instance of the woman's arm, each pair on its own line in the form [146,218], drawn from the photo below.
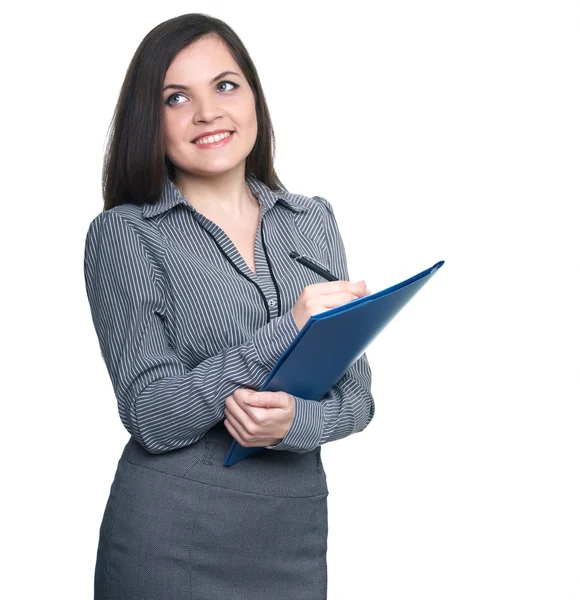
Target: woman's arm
[161,403]
[348,407]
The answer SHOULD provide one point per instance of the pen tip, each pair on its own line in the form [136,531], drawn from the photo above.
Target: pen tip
[294,254]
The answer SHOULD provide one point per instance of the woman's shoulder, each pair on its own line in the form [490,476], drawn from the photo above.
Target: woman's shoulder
[122,217]
[126,212]
[309,204]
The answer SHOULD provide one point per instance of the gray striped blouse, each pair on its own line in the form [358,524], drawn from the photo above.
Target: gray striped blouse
[182,321]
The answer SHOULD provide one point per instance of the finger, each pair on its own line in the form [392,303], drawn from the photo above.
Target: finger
[240,398]
[233,431]
[339,299]
[241,394]
[267,399]
[333,287]
[234,428]
[240,416]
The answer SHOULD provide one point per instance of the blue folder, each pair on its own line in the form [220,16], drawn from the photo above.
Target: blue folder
[330,343]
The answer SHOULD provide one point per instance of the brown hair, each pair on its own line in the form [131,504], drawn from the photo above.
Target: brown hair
[135,163]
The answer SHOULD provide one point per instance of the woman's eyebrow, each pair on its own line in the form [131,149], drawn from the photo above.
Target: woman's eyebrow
[178,86]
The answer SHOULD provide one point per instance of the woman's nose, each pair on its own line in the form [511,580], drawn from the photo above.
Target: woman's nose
[206,110]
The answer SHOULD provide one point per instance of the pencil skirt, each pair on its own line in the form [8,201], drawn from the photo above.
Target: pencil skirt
[182,526]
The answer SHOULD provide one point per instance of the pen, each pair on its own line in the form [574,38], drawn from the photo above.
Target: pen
[303,260]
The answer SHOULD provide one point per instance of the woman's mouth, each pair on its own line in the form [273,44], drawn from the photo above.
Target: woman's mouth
[214,141]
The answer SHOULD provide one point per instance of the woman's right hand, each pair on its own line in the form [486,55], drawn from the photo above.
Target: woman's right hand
[319,297]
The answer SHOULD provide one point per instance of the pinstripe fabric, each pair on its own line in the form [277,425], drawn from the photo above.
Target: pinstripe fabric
[182,321]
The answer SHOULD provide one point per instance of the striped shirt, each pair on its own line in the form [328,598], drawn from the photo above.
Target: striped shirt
[182,321]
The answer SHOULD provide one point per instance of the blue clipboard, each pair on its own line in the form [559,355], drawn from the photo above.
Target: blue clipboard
[331,342]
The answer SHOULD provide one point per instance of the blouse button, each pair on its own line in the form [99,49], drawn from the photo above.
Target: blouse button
[272,302]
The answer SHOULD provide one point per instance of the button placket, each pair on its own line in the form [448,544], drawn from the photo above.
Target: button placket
[263,266]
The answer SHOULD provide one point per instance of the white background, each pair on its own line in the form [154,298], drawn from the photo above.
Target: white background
[438,131]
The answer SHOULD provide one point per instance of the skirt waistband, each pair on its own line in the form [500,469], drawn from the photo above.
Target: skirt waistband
[268,472]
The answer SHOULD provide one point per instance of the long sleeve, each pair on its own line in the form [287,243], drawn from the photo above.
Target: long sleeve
[162,404]
[348,407]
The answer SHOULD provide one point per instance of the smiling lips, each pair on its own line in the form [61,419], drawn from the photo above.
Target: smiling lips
[214,141]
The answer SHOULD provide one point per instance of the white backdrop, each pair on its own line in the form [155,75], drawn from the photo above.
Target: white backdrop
[438,131]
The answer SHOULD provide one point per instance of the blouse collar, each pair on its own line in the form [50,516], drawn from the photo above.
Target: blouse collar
[171,196]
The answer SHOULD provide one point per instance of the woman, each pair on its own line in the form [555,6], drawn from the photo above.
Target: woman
[194,297]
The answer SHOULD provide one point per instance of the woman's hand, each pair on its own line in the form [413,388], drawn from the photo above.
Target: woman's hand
[258,422]
[319,297]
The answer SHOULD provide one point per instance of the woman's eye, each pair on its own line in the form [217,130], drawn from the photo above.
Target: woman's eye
[230,82]
[169,103]
[169,98]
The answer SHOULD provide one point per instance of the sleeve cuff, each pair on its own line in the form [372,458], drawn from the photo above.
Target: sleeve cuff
[306,428]
[271,342]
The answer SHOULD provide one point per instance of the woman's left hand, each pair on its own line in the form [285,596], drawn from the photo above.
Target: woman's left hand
[260,422]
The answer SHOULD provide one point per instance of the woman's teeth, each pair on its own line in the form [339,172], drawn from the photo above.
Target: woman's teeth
[212,139]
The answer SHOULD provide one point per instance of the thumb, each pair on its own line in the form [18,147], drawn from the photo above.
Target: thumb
[264,399]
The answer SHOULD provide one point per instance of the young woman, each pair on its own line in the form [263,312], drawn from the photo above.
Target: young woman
[194,297]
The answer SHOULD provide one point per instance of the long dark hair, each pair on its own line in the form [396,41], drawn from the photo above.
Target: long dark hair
[135,163]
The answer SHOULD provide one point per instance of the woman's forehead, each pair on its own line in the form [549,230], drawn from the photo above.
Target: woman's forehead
[203,56]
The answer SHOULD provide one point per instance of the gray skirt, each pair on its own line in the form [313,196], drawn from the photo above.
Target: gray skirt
[182,526]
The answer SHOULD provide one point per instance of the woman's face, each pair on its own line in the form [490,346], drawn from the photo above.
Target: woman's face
[195,102]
